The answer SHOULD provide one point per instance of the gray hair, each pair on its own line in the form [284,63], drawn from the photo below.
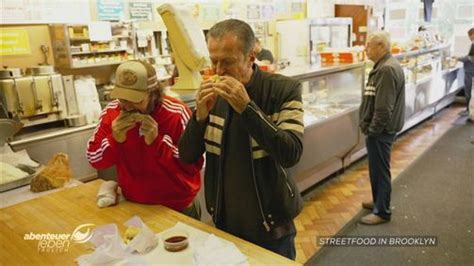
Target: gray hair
[380,37]
[239,28]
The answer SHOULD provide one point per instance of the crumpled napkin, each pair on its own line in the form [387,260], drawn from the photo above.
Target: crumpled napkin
[214,251]
[145,241]
[109,194]
[110,248]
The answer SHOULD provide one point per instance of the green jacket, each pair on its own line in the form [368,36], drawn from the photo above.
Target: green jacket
[274,122]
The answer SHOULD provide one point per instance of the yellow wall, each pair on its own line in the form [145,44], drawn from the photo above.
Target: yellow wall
[39,35]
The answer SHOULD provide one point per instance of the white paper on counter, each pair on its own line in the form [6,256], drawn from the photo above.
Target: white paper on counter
[199,244]
[214,251]
[203,249]
[111,250]
[145,241]
[15,158]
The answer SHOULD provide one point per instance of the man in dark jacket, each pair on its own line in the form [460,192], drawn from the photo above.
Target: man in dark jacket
[468,64]
[250,123]
[263,54]
[381,115]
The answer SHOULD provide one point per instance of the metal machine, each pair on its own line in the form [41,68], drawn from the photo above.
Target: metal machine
[35,99]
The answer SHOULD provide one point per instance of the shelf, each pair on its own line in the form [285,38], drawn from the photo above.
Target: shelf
[82,39]
[120,37]
[99,52]
[148,57]
[107,63]
[79,39]
[421,51]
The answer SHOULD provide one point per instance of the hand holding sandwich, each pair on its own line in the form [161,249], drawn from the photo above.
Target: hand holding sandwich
[149,129]
[121,125]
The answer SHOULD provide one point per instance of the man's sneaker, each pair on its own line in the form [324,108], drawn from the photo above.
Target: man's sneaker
[368,205]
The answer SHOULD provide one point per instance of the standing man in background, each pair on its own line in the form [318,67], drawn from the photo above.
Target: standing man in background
[468,62]
[250,123]
[381,115]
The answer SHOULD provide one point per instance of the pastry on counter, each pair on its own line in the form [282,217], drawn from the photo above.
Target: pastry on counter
[56,173]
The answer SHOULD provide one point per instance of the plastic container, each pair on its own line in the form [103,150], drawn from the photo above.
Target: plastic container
[175,240]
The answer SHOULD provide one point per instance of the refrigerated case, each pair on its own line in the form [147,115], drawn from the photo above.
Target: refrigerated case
[431,82]
[332,139]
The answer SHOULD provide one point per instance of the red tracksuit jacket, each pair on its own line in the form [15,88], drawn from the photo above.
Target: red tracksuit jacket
[148,174]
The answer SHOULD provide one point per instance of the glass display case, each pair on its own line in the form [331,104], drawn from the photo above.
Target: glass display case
[421,66]
[331,99]
[430,81]
[331,94]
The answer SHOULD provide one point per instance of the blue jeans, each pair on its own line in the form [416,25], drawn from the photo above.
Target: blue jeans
[194,210]
[284,246]
[378,152]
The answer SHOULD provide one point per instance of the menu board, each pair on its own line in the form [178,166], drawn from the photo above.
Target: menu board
[140,11]
[111,10]
[14,41]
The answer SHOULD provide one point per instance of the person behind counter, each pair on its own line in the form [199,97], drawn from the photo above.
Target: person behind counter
[263,55]
[381,113]
[139,133]
[250,123]
[468,62]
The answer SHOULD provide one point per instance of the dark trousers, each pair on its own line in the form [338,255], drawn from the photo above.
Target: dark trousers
[468,86]
[378,151]
[284,246]
[194,210]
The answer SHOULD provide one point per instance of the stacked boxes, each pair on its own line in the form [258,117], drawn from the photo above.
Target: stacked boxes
[347,57]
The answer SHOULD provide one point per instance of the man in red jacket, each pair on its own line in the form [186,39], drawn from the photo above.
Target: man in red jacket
[139,133]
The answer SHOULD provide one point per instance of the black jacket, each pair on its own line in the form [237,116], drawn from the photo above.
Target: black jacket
[274,122]
[468,60]
[383,102]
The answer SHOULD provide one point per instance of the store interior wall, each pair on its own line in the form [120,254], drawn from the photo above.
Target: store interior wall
[448,22]
[38,36]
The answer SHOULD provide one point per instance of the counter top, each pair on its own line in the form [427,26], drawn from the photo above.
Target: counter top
[308,70]
[23,193]
[49,133]
[63,211]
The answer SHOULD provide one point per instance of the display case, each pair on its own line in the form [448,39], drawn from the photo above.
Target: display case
[430,82]
[332,139]
[75,48]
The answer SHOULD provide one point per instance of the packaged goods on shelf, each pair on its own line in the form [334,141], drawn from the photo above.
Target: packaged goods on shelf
[346,56]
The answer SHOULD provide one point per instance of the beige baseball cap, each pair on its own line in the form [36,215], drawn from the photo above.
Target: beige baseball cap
[134,80]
